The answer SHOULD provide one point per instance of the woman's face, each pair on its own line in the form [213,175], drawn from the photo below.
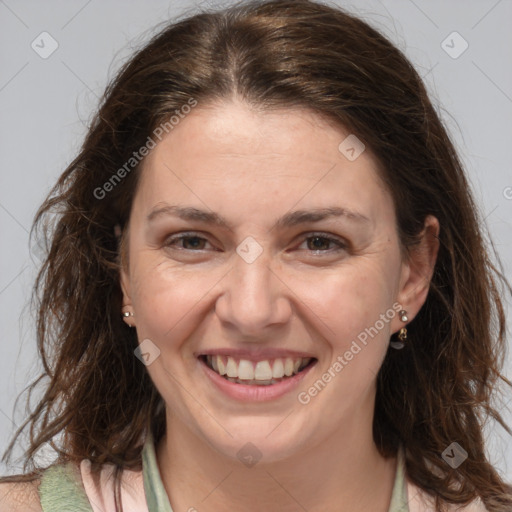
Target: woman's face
[238,271]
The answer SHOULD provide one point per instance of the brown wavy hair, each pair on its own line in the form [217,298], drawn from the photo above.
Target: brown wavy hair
[274,54]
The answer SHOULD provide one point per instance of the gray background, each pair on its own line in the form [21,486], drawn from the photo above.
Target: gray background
[46,102]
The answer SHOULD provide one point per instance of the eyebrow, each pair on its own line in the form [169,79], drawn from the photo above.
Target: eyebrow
[288,220]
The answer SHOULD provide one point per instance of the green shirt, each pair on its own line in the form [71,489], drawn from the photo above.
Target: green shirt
[62,491]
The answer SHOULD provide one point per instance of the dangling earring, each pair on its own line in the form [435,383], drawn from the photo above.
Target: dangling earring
[402,335]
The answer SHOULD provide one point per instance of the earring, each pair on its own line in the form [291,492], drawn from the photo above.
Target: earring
[126,315]
[402,335]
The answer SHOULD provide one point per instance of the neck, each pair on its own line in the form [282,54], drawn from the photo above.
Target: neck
[343,473]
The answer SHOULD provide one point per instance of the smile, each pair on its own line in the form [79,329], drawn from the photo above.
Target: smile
[256,373]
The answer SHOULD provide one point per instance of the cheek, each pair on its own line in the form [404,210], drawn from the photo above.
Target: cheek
[168,301]
[345,301]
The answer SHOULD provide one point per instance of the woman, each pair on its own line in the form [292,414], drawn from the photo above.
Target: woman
[267,287]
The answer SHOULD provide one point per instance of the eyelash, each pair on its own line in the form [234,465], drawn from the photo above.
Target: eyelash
[323,236]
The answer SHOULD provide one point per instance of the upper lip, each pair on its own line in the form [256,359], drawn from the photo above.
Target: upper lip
[255,354]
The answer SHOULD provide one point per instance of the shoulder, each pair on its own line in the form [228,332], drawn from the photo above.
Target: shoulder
[20,497]
[57,488]
[420,501]
[74,487]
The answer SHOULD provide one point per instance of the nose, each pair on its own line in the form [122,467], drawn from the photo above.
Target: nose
[253,298]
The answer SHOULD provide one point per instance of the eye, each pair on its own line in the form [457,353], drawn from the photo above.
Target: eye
[186,241]
[315,243]
[320,242]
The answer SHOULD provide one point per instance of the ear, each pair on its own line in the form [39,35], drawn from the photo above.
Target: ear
[127,309]
[125,287]
[417,272]
[127,306]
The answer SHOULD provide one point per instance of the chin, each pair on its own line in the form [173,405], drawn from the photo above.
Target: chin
[258,441]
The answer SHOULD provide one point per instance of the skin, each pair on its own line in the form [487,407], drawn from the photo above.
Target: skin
[252,168]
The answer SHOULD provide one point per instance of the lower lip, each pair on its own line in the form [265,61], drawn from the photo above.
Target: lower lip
[255,393]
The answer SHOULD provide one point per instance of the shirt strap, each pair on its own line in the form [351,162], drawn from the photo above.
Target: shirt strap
[399,498]
[60,489]
[156,496]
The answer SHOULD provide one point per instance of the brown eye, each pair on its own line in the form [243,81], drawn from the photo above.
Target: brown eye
[323,243]
[193,242]
[318,242]
[189,242]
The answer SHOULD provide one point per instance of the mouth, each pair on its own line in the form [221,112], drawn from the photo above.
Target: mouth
[266,372]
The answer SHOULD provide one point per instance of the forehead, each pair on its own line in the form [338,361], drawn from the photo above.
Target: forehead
[272,158]
[235,129]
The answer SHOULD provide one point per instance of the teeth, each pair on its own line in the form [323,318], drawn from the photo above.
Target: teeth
[221,365]
[264,372]
[253,382]
[278,370]
[232,368]
[288,366]
[245,370]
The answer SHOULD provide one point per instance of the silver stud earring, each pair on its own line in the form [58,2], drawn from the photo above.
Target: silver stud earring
[128,314]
